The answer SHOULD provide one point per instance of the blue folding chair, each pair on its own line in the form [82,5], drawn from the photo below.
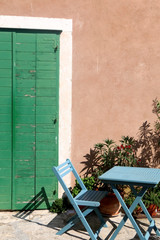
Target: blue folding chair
[89,199]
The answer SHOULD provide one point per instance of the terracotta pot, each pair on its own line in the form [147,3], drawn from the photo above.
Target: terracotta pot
[110,205]
[138,210]
[152,209]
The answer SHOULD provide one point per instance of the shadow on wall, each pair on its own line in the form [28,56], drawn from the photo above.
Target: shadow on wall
[147,146]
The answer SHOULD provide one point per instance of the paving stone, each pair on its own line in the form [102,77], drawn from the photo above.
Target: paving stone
[41,224]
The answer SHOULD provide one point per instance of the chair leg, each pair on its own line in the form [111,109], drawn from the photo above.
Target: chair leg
[86,225]
[103,223]
[70,224]
[81,216]
[100,217]
[73,220]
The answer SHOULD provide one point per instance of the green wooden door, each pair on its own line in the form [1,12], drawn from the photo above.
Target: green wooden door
[33,118]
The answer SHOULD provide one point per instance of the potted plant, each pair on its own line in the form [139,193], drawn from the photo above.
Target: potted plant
[109,155]
[110,205]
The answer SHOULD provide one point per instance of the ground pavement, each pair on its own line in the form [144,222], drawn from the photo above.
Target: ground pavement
[43,225]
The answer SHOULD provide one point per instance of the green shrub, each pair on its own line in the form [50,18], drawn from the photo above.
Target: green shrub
[152,196]
[89,182]
[60,205]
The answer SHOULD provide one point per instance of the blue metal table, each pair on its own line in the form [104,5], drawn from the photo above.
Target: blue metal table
[133,176]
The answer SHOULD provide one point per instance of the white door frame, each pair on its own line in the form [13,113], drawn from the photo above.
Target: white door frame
[65,72]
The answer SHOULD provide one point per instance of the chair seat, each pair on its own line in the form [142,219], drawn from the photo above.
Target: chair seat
[90,198]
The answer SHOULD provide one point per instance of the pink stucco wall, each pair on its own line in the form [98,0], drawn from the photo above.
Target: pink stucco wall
[116,64]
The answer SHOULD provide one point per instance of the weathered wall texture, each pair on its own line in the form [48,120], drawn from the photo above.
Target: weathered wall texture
[116,64]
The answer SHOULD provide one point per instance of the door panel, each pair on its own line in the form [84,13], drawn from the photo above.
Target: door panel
[28,100]
[5,119]
[46,112]
[24,119]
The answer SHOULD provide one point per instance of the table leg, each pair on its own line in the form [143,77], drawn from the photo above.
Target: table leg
[129,212]
[152,222]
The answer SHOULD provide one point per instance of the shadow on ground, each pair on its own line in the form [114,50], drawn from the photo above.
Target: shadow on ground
[79,232]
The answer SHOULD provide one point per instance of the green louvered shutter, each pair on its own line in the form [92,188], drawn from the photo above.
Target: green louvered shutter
[34,114]
[5,119]
[46,112]
[24,117]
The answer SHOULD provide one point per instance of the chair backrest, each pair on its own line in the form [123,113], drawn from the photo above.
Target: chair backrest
[61,171]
